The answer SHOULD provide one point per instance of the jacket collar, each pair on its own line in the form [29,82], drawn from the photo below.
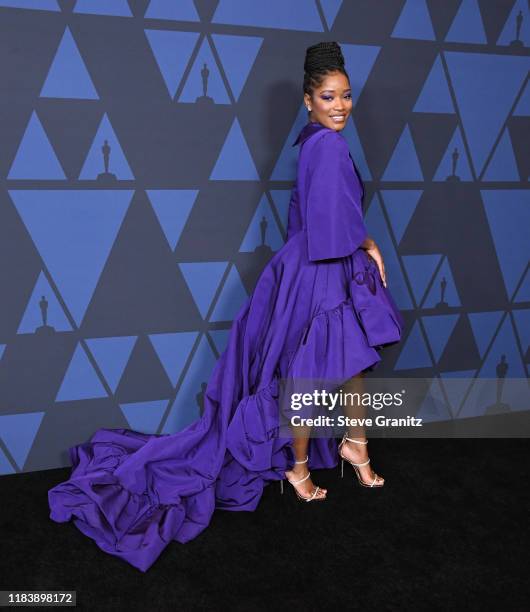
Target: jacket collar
[310,128]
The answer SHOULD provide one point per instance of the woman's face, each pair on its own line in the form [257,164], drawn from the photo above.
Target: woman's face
[331,103]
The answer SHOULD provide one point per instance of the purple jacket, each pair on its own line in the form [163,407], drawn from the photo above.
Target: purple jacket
[326,198]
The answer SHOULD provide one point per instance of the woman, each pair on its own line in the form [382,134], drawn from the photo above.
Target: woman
[132,492]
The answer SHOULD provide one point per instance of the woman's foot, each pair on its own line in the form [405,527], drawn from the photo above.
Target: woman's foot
[358,453]
[305,488]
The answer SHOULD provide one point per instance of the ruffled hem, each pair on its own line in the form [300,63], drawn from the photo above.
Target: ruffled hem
[136,526]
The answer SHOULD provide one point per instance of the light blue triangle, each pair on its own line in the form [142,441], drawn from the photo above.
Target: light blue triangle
[5,465]
[172,51]
[202,279]
[40,5]
[509,219]
[404,164]
[112,355]
[233,297]
[363,57]
[439,329]
[451,296]
[484,325]
[237,55]
[505,343]
[80,380]
[185,409]
[35,158]
[235,162]
[434,96]
[220,339]
[118,8]
[523,293]
[301,15]
[356,149]
[330,9]
[172,208]
[2,349]
[273,237]
[522,323]
[183,10]
[485,86]
[502,166]
[282,200]
[420,269]
[400,205]
[414,353]
[378,228]
[414,22]
[94,164]
[285,167]
[445,168]
[74,231]
[467,26]
[509,30]
[18,432]
[173,350]
[68,76]
[193,88]
[144,417]
[32,318]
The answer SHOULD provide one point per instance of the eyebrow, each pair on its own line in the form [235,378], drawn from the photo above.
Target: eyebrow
[324,90]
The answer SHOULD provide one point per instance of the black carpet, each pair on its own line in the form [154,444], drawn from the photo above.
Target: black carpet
[449,529]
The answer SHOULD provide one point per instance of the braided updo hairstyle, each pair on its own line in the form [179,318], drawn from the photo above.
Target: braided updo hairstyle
[320,59]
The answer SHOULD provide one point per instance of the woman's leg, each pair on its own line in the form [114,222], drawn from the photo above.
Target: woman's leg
[358,453]
[300,444]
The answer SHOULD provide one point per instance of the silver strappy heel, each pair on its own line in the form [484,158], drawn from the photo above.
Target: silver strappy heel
[313,496]
[356,465]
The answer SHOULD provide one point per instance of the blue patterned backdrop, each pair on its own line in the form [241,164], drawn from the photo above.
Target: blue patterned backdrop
[146,163]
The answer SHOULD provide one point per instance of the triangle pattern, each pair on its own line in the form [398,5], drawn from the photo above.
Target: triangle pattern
[94,167]
[456,385]
[172,208]
[190,397]
[414,353]
[445,168]
[434,96]
[237,55]
[404,164]
[282,200]
[220,339]
[144,417]
[193,90]
[363,57]
[68,76]
[508,215]
[172,51]
[202,279]
[330,9]
[233,297]
[509,31]
[235,162]
[173,350]
[285,167]
[420,269]
[73,231]
[32,319]
[5,465]
[439,329]
[414,22]
[434,406]
[272,234]
[40,5]
[80,380]
[18,432]
[450,294]
[522,325]
[112,355]
[400,205]
[467,26]
[484,325]
[502,166]
[354,144]
[35,158]
[523,294]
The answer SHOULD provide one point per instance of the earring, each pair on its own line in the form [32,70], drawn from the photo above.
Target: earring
[308,109]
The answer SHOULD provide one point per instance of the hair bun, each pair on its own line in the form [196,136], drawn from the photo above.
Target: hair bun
[324,55]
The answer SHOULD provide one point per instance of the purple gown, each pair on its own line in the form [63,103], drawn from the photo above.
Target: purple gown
[134,493]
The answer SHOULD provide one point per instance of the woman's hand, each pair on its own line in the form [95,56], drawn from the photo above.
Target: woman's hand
[373,251]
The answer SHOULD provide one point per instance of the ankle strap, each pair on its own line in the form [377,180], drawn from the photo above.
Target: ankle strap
[304,461]
[301,479]
[356,441]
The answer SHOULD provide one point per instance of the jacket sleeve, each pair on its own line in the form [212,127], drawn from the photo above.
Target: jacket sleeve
[335,226]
